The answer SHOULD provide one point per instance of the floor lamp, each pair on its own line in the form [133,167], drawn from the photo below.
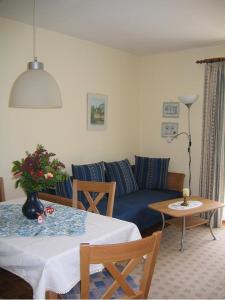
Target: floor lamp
[188,101]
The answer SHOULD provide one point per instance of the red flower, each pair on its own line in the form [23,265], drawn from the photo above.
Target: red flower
[40,174]
[38,171]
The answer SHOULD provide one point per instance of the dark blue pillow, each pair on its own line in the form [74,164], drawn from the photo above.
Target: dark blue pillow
[64,188]
[121,173]
[89,172]
[151,173]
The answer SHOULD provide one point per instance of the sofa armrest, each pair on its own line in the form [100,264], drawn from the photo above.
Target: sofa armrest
[175,181]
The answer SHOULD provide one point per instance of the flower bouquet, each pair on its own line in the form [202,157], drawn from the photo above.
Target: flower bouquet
[37,172]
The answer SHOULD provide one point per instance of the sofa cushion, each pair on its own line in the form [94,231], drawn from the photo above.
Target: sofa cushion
[89,172]
[121,173]
[134,207]
[64,188]
[151,173]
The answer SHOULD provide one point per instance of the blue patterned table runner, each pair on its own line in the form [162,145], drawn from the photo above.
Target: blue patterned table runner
[64,221]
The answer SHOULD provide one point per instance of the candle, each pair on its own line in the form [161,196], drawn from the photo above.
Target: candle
[186,192]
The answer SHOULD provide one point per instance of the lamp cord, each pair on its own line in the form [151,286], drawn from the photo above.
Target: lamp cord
[188,135]
[34,32]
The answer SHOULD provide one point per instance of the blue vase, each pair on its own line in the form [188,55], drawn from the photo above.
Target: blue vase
[33,207]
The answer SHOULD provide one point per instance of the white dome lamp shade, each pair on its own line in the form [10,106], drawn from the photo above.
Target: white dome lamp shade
[188,100]
[35,88]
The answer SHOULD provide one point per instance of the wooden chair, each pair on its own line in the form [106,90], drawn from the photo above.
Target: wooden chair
[109,254]
[2,191]
[89,187]
[55,199]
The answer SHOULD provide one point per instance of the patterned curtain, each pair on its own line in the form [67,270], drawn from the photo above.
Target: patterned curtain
[212,173]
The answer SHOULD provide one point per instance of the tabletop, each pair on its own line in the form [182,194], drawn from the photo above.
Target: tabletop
[207,205]
[52,263]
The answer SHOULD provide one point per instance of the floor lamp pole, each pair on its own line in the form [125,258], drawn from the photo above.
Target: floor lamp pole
[189,148]
[188,101]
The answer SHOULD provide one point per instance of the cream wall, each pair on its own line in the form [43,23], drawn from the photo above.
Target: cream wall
[79,67]
[136,86]
[164,77]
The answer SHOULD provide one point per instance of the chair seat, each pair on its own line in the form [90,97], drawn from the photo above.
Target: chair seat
[100,281]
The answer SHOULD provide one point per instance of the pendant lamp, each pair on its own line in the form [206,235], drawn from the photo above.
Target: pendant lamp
[35,88]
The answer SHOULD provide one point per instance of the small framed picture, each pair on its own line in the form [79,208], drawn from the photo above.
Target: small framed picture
[169,129]
[171,109]
[97,111]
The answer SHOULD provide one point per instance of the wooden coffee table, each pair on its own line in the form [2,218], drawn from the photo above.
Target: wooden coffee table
[187,218]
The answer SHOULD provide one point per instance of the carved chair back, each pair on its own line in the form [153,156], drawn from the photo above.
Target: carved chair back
[94,192]
[2,191]
[108,255]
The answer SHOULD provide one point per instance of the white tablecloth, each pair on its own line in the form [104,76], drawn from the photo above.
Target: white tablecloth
[53,263]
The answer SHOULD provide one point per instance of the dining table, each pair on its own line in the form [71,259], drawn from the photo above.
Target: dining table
[49,259]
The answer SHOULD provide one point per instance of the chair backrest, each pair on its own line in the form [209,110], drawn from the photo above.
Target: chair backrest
[108,255]
[90,188]
[55,199]
[2,191]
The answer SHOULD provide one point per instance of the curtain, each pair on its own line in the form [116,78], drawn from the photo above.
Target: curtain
[212,172]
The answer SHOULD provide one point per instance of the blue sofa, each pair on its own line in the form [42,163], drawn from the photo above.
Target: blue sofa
[133,207]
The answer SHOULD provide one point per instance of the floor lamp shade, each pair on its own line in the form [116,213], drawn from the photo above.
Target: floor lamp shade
[35,89]
[188,100]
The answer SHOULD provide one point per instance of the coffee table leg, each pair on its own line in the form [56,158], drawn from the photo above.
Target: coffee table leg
[210,223]
[182,234]
[163,220]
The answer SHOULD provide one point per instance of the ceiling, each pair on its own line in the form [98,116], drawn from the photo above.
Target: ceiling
[141,27]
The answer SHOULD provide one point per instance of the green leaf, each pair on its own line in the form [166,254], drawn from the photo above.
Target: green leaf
[17,183]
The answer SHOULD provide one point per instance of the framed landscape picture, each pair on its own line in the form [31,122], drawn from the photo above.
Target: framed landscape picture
[171,109]
[97,111]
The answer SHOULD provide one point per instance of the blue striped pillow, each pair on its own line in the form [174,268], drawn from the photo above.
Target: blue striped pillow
[64,188]
[121,172]
[89,172]
[151,173]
